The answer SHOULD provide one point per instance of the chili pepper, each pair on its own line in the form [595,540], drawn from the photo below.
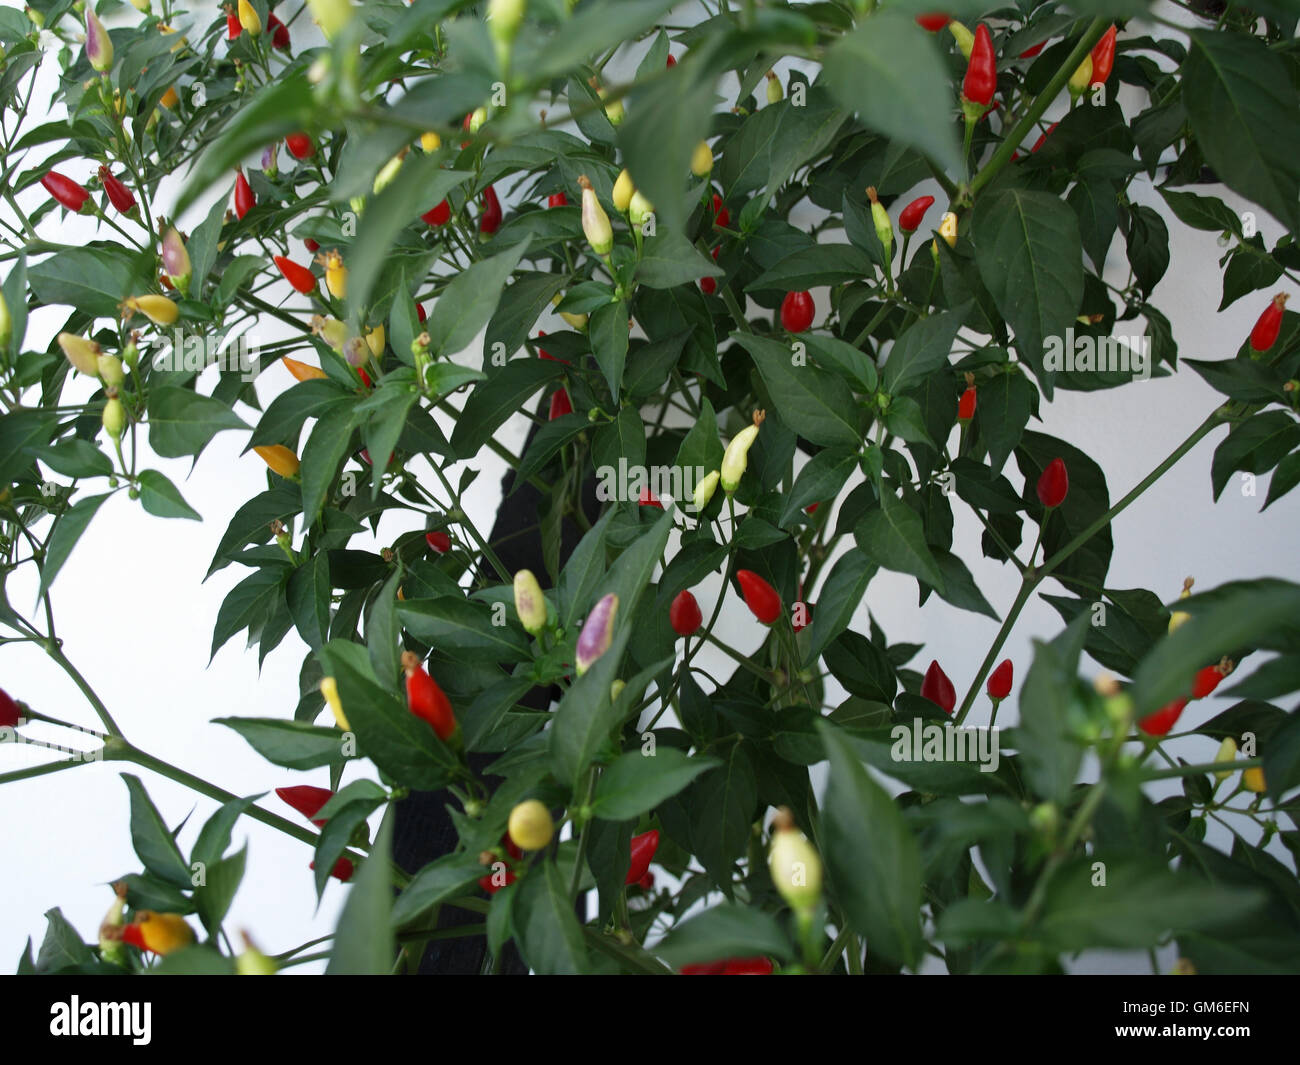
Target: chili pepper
[430,141]
[176,260]
[1029,53]
[643,852]
[560,405]
[647,882]
[158,933]
[648,499]
[233,28]
[909,218]
[595,222]
[387,172]
[251,961]
[1227,753]
[721,216]
[1180,617]
[1160,722]
[280,459]
[438,541]
[438,215]
[542,353]
[65,190]
[330,330]
[1253,780]
[279,32]
[110,372]
[762,599]
[300,145]
[938,688]
[530,825]
[336,274]
[671,61]
[709,285]
[111,927]
[557,199]
[307,800]
[597,632]
[490,882]
[332,15]
[119,195]
[375,342]
[797,310]
[158,309]
[99,46]
[6,323]
[1053,484]
[964,38]
[1103,57]
[775,93]
[245,201]
[10,715]
[639,209]
[684,614]
[1208,678]
[623,190]
[966,405]
[301,371]
[981,78]
[420,313]
[880,218]
[114,416]
[705,489]
[794,865]
[490,220]
[329,688]
[1080,79]
[934,23]
[530,604]
[426,699]
[735,459]
[301,278]
[249,18]
[343,869]
[82,353]
[1264,335]
[702,160]
[1000,680]
[730,967]
[169,99]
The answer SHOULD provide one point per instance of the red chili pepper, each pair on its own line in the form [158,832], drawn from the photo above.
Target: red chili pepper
[1103,57]
[343,869]
[721,216]
[118,194]
[490,220]
[933,23]
[1264,335]
[365,378]
[643,852]
[245,201]
[982,71]
[647,882]
[811,508]
[684,614]
[420,312]
[1159,723]
[671,61]
[648,499]
[307,800]
[279,33]
[65,190]
[10,715]
[298,276]
[797,311]
[425,699]
[311,245]
[1206,681]
[1043,137]
[761,598]
[1000,680]
[709,285]
[438,215]
[438,541]
[730,967]
[1053,484]
[966,406]
[938,688]
[909,218]
[1029,53]
[560,405]
[488,884]
[300,145]
[233,26]
[557,199]
[544,354]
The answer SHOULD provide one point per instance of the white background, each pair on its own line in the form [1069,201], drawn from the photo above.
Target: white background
[136,618]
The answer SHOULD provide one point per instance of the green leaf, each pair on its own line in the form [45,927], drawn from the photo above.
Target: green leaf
[861,667]
[1087,500]
[808,399]
[1005,404]
[824,264]
[363,940]
[1048,697]
[872,860]
[94,280]
[636,783]
[62,947]
[1030,257]
[308,596]
[322,455]
[292,744]
[725,931]
[839,599]
[892,536]
[669,259]
[448,877]
[283,419]
[221,881]
[463,629]
[921,350]
[67,531]
[182,422]
[152,839]
[1202,212]
[493,401]
[161,498]
[723,804]
[1255,445]
[819,481]
[1241,102]
[891,74]
[214,836]
[468,302]
[549,936]
[608,330]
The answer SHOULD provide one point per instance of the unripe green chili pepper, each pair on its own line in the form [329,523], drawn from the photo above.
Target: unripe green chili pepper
[964,38]
[530,604]
[880,217]
[736,458]
[639,209]
[6,323]
[251,961]
[794,864]
[111,947]
[705,489]
[595,222]
[114,417]
[774,90]
[1081,78]
[1227,753]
